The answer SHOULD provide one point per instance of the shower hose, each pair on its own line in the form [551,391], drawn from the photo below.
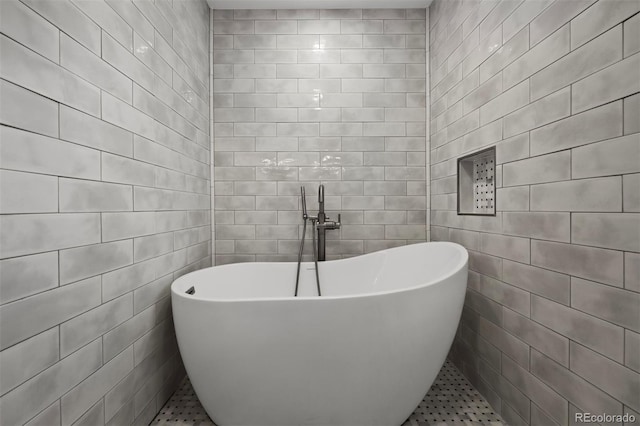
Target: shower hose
[315,253]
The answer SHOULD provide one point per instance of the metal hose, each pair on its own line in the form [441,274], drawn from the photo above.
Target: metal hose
[304,230]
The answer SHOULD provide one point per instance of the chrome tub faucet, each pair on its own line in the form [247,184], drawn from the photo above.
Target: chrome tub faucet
[320,225]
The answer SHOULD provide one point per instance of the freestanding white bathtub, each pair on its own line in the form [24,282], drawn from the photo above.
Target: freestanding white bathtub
[365,353]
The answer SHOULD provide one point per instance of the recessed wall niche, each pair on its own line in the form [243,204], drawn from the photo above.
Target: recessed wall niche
[476,183]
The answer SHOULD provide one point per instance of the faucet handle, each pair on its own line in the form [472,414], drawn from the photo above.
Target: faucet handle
[303,198]
[328,219]
[339,218]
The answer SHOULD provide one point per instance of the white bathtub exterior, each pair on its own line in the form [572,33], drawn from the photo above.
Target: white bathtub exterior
[365,353]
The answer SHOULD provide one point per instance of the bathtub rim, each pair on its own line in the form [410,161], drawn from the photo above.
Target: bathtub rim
[178,288]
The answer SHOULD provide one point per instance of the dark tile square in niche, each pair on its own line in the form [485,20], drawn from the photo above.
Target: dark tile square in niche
[452,400]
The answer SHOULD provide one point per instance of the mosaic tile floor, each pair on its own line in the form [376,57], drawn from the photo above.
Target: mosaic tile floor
[452,400]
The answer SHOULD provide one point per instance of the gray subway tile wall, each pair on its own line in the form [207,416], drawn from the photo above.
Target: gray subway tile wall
[303,97]
[120,118]
[105,200]
[553,302]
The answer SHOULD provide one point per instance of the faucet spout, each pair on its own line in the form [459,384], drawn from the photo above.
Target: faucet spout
[321,198]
